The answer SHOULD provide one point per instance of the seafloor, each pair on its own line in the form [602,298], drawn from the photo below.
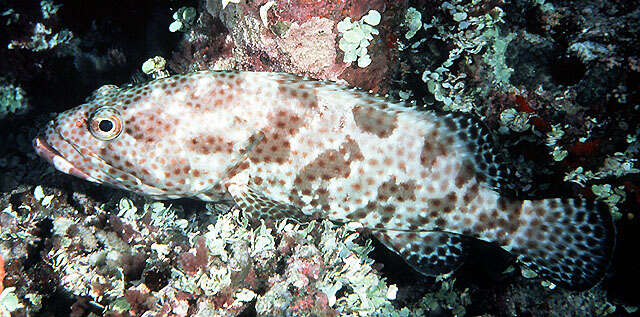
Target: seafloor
[557,82]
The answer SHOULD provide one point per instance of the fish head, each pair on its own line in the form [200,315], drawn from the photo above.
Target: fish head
[67,143]
[123,138]
[76,141]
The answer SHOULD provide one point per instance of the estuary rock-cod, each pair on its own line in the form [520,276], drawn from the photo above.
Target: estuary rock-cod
[280,145]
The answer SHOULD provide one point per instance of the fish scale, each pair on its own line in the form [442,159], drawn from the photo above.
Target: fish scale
[283,146]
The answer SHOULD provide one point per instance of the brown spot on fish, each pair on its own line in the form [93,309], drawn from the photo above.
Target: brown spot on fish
[401,192]
[330,164]
[465,174]
[275,144]
[372,120]
[431,150]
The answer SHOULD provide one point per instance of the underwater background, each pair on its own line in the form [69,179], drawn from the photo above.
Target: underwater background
[556,82]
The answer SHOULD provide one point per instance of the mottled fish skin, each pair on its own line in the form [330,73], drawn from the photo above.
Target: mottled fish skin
[281,145]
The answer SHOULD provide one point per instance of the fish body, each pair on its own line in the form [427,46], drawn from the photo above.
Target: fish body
[280,145]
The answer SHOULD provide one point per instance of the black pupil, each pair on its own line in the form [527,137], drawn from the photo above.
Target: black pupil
[105,125]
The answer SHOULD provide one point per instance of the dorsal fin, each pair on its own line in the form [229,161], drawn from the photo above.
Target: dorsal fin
[489,162]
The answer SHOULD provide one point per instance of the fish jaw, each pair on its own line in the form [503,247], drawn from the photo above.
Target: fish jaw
[53,156]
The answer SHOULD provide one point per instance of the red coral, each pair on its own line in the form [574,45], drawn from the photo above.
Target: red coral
[540,124]
[203,48]
[139,298]
[316,303]
[633,189]
[250,279]
[80,307]
[192,262]
[358,8]
[124,230]
[584,148]
[302,11]
[302,304]
[523,105]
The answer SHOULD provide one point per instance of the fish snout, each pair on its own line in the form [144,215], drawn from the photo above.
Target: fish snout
[53,156]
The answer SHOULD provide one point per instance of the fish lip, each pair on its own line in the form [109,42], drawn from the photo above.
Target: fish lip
[43,149]
[51,155]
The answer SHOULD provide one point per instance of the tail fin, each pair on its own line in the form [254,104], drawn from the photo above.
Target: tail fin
[567,241]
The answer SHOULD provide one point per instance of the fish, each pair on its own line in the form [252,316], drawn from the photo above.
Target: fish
[278,145]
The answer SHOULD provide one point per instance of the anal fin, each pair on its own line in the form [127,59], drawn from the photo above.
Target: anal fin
[428,252]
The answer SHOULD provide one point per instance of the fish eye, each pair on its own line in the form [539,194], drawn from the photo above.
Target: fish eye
[106,124]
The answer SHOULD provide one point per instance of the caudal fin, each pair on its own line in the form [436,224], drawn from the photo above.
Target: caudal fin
[567,241]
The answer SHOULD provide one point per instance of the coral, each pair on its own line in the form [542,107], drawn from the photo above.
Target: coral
[41,39]
[218,270]
[9,302]
[546,77]
[553,136]
[413,21]
[315,36]
[356,36]
[544,302]
[49,9]
[12,99]
[486,65]
[226,2]
[301,37]
[155,67]
[182,19]
[469,35]
[514,120]
[495,55]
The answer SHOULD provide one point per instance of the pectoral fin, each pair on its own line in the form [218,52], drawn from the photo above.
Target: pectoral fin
[257,206]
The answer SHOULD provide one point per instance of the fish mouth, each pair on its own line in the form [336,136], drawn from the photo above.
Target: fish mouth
[50,154]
